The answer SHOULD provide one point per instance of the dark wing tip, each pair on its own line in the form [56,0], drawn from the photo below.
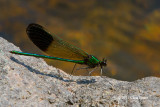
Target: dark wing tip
[33,25]
[39,36]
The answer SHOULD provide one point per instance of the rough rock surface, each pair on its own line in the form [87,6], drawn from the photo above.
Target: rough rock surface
[29,81]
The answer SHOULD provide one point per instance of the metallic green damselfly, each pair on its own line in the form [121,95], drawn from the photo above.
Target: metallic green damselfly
[58,49]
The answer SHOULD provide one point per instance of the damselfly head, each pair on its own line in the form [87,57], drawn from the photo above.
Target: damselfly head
[103,62]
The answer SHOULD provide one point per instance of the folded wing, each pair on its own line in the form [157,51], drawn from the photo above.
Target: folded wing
[53,45]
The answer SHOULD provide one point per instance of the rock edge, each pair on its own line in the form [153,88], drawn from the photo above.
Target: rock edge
[29,81]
